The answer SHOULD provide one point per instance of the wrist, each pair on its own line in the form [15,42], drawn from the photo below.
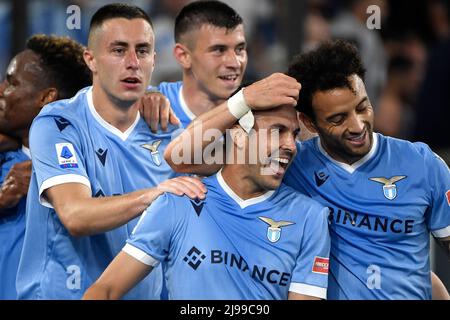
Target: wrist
[237,105]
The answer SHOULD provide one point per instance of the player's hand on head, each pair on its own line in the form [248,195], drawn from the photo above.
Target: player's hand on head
[8,144]
[276,90]
[184,185]
[16,183]
[156,110]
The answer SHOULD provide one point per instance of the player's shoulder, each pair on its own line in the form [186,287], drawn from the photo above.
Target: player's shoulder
[64,111]
[404,148]
[307,151]
[169,201]
[291,196]
[66,107]
[169,87]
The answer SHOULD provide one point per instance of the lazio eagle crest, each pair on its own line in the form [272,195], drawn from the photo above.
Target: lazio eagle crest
[153,148]
[274,229]
[389,187]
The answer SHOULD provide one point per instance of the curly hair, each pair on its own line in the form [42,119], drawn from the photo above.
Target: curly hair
[325,68]
[63,63]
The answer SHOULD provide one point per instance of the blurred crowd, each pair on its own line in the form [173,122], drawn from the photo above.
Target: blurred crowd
[408,69]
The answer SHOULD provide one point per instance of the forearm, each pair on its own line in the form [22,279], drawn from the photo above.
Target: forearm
[99,292]
[192,141]
[88,216]
[439,292]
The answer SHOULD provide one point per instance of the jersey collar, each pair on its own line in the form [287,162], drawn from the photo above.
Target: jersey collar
[26,151]
[184,106]
[241,202]
[347,167]
[122,135]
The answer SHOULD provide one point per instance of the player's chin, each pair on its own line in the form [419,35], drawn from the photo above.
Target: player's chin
[273,182]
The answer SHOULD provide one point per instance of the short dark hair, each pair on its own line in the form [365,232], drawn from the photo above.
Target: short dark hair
[198,13]
[63,63]
[117,10]
[327,67]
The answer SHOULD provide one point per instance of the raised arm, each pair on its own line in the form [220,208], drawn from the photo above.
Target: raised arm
[273,91]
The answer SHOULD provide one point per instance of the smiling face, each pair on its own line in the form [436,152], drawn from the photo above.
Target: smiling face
[216,59]
[122,57]
[344,121]
[20,94]
[276,131]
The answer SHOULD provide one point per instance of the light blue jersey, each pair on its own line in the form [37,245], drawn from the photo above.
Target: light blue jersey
[12,228]
[227,248]
[383,208]
[172,91]
[70,142]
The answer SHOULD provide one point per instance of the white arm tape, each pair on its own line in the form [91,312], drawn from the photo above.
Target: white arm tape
[237,105]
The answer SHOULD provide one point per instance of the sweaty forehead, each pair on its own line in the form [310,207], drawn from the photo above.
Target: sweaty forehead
[27,61]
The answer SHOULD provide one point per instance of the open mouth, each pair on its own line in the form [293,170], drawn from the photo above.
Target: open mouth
[359,139]
[232,77]
[280,161]
[277,165]
[131,80]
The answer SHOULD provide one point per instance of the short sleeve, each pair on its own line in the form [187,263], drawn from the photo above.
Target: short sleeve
[438,213]
[56,154]
[310,276]
[150,239]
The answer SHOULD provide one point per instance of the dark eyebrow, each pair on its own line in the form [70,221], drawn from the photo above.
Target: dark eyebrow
[119,43]
[362,101]
[144,45]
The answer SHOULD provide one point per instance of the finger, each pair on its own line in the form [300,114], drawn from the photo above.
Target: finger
[190,186]
[173,119]
[166,187]
[164,113]
[195,181]
[154,115]
[179,188]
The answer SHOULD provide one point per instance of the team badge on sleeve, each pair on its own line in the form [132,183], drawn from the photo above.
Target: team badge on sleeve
[389,187]
[66,155]
[321,265]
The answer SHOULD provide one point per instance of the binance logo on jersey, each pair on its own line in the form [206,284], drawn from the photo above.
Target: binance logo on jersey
[274,229]
[389,187]
[153,148]
[194,258]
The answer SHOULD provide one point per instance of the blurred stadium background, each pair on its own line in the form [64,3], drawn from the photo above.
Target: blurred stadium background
[407,56]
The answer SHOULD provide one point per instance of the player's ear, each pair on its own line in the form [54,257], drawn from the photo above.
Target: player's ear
[89,59]
[47,96]
[307,121]
[182,55]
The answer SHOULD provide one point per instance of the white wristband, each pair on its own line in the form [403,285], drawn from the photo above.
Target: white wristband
[237,105]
